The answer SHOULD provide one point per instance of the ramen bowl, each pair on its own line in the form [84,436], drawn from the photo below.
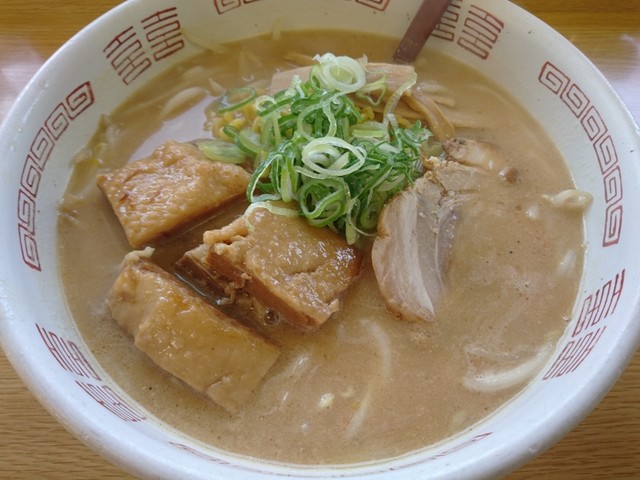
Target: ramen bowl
[61,107]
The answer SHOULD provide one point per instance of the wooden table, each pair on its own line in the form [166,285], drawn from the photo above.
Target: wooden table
[605,446]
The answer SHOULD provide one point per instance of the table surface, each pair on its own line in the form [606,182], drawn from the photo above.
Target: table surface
[605,445]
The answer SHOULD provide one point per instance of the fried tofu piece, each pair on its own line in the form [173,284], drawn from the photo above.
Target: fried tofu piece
[170,190]
[294,269]
[188,337]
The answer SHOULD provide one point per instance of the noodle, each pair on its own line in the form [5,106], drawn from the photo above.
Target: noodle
[181,100]
[492,381]
[379,378]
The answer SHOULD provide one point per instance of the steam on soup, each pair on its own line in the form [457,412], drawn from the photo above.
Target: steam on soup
[417,332]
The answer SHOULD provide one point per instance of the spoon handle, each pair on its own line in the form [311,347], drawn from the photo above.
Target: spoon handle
[423,23]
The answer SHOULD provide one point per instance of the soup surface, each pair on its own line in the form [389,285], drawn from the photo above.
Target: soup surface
[367,385]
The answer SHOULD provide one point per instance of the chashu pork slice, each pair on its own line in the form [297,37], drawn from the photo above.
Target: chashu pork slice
[295,270]
[170,190]
[188,337]
[411,252]
[405,260]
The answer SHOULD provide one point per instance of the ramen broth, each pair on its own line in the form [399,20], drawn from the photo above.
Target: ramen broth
[367,385]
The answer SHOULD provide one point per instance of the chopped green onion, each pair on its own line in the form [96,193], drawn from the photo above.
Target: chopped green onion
[322,202]
[271,207]
[371,130]
[374,91]
[236,98]
[315,153]
[249,142]
[231,131]
[341,74]
[392,103]
[332,156]
[221,151]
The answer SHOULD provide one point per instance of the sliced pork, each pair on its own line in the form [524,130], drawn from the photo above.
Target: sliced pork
[412,248]
[406,255]
[474,153]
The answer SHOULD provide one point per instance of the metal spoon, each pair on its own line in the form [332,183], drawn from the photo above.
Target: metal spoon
[423,23]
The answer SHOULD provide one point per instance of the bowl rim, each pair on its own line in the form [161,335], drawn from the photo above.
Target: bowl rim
[109,444]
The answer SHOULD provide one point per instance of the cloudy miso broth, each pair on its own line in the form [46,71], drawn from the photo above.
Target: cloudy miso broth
[366,385]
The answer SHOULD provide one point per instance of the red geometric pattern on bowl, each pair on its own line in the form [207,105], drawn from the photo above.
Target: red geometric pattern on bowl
[71,359]
[476,32]
[225,6]
[338,474]
[380,5]
[588,330]
[598,134]
[131,53]
[65,112]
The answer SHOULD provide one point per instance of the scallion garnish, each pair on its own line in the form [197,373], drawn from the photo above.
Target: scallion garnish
[316,152]
[236,98]
[221,151]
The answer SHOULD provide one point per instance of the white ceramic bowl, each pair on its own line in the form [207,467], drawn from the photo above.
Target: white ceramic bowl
[60,108]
